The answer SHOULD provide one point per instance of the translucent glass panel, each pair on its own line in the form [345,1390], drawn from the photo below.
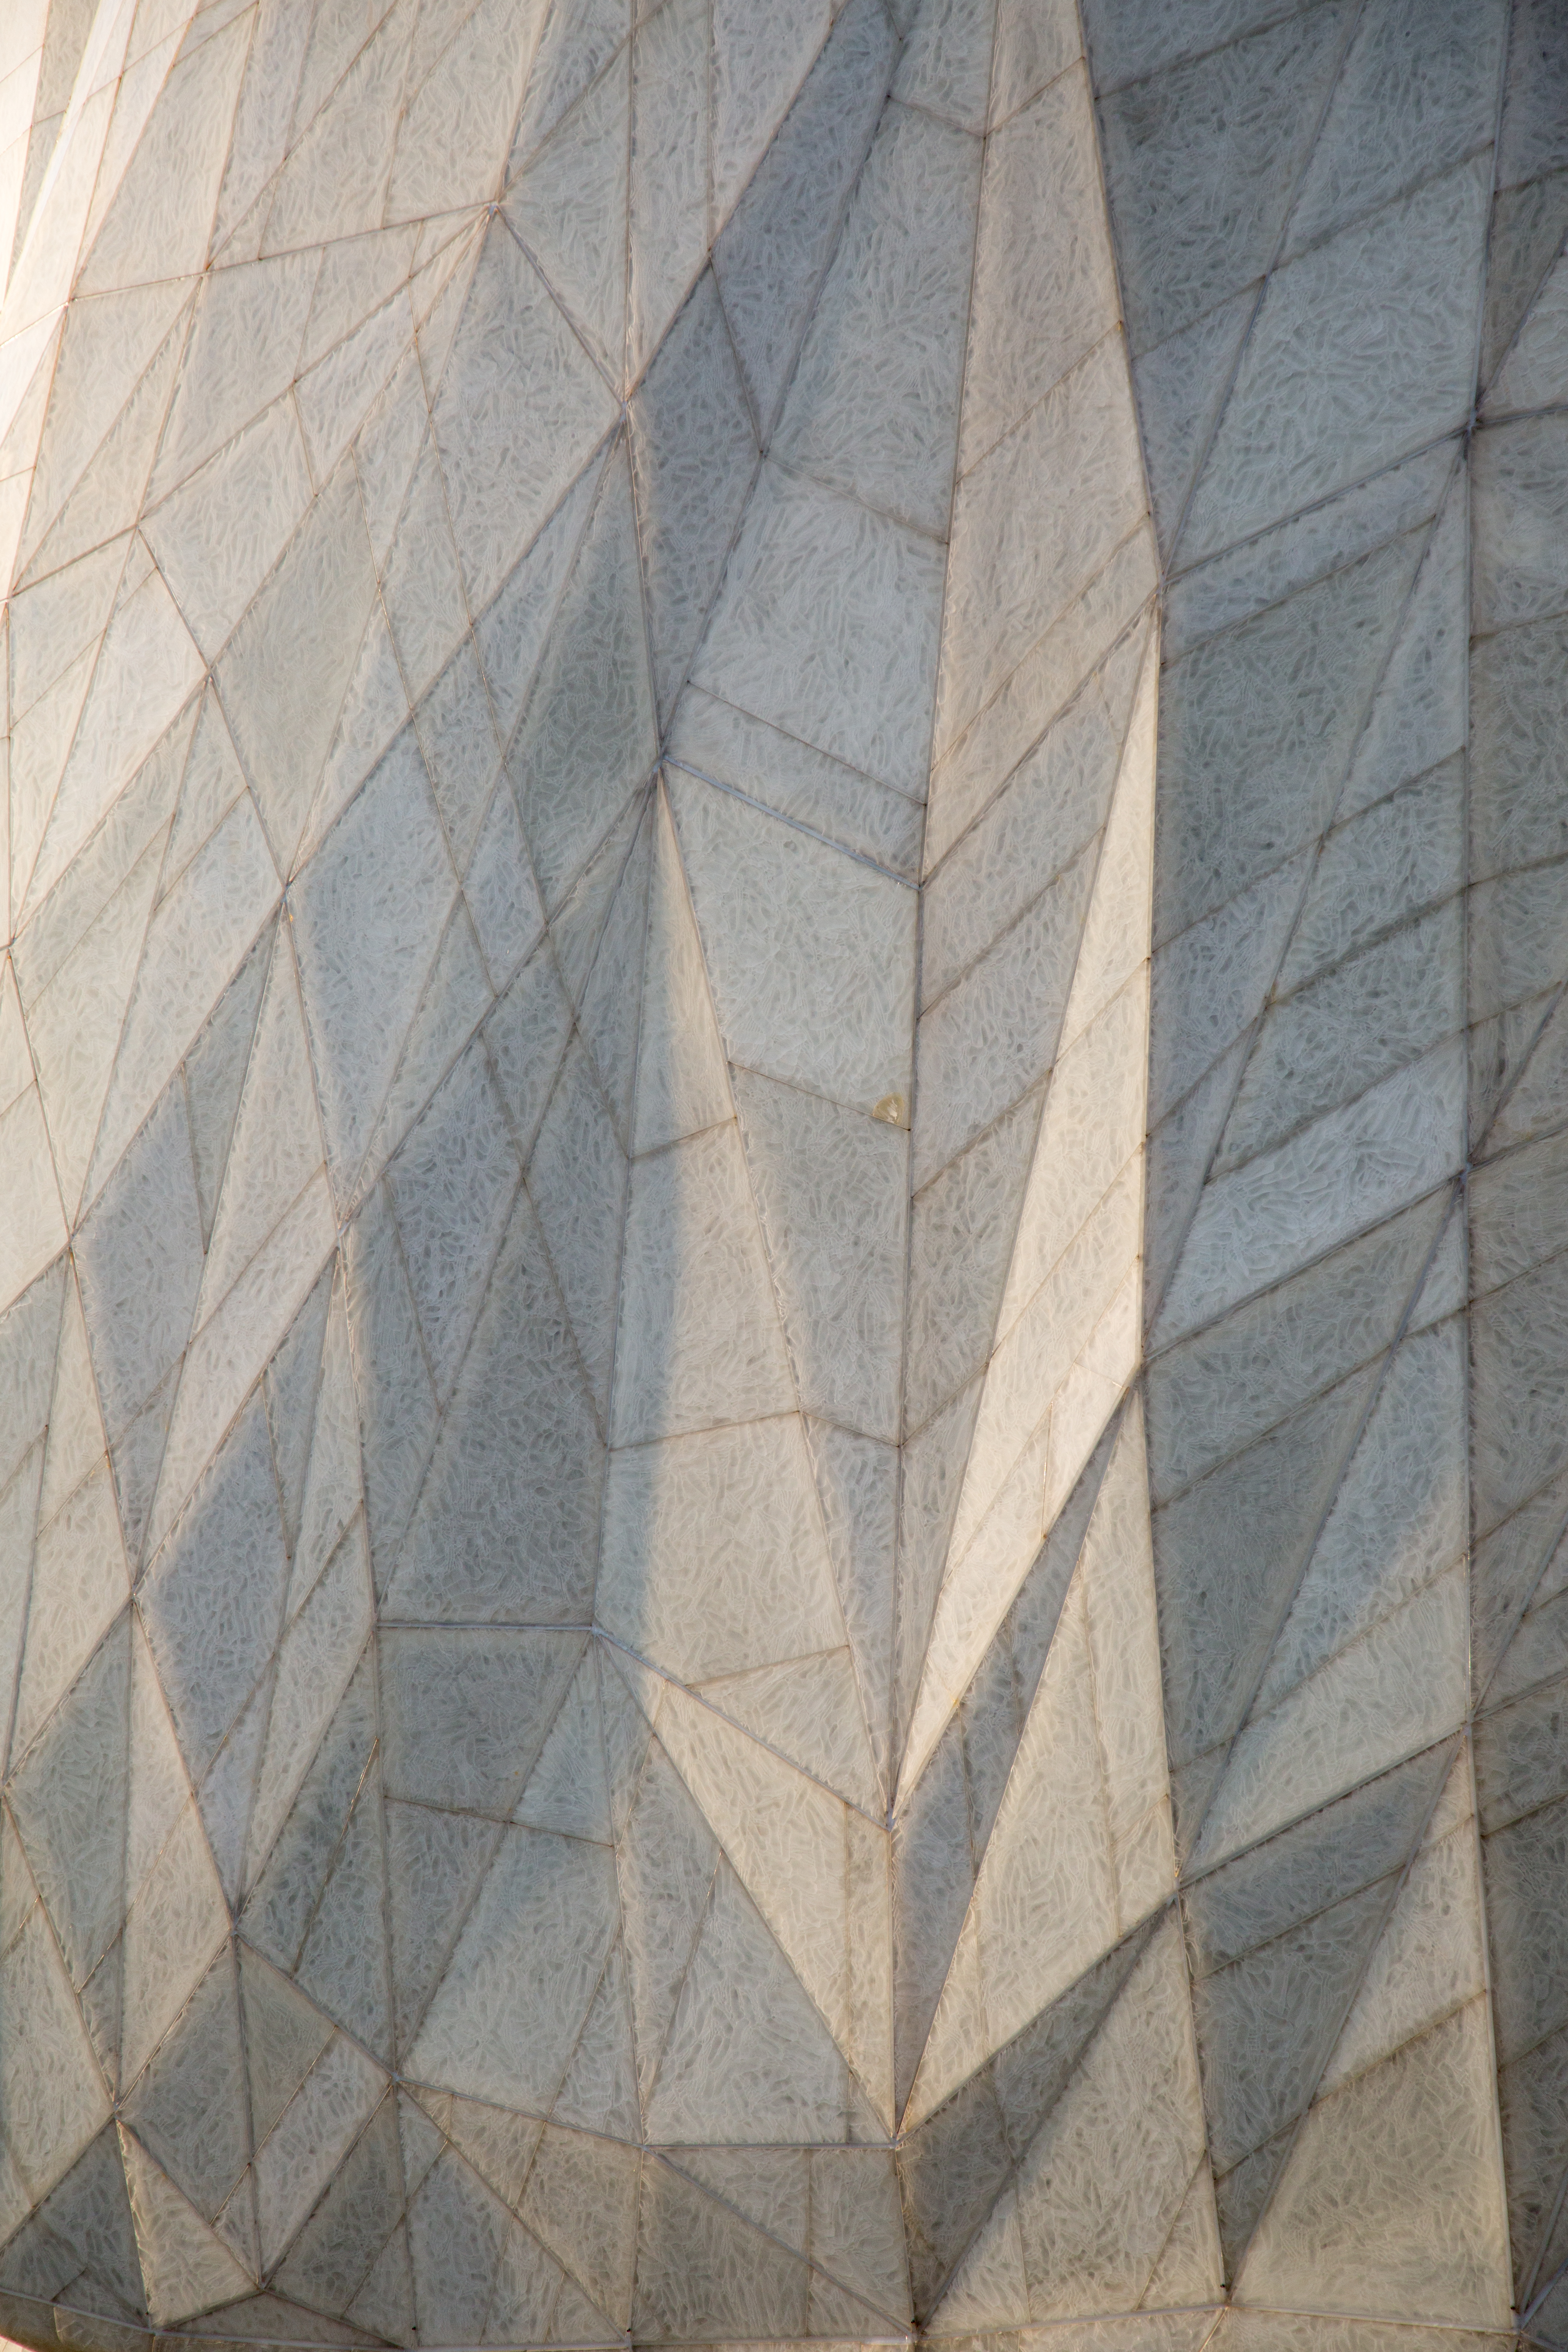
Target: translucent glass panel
[782,1439]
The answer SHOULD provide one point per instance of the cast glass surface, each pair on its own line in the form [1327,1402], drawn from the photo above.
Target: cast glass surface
[784,1174]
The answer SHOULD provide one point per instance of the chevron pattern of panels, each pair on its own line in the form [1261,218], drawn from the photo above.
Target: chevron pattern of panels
[784,1174]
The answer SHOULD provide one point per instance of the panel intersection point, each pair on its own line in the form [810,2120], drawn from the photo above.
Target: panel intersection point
[784,1111]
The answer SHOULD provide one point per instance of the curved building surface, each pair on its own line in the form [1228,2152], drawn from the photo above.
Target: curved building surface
[784,1174]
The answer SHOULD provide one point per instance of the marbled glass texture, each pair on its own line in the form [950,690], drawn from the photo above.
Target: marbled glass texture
[784,1174]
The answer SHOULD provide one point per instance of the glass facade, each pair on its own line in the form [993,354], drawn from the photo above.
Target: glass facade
[784,1174]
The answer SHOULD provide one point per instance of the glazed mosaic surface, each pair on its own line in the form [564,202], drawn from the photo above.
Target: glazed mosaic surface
[784,1172]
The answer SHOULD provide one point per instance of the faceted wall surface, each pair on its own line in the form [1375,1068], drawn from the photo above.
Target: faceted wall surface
[784,1172]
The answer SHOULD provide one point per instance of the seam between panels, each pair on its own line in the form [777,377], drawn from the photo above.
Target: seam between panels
[181,54]
[709,174]
[650,790]
[180,322]
[466,1909]
[656,802]
[668,2154]
[364,1173]
[1310,148]
[269,1679]
[1503,356]
[602,458]
[1312,851]
[1469,2328]
[1183,579]
[1102,1798]
[795,824]
[1200,1879]
[1546,408]
[385,1851]
[1152,651]
[493,211]
[1068,698]
[133,1627]
[1149,615]
[796,469]
[1401,1879]
[629,66]
[1420,911]
[1452,2009]
[275,1653]
[278,910]
[1517,2298]
[1119,279]
[22,908]
[1517,1616]
[11,1693]
[394,1244]
[458,1922]
[655,2059]
[1113,249]
[377,1761]
[817,1508]
[1244,1713]
[1283,1138]
[1138,1940]
[698,1699]
[905,1679]
[570,2060]
[1321,1256]
[246,2181]
[1201,2167]
[1108,333]
[1501,1159]
[1088,682]
[575,1036]
[1022,1700]
[1325,1387]
[1467,864]
[902,1702]
[1409,190]
[596,460]
[100,33]
[1313,846]
[1285,12]
[714,226]
[1146,615]
[1540,2279]
[68,1225]
[319,2204]
[662,726]
[592,1655]
[764,427]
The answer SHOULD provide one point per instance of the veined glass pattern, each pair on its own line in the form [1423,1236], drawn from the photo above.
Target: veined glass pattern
[784,1174]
